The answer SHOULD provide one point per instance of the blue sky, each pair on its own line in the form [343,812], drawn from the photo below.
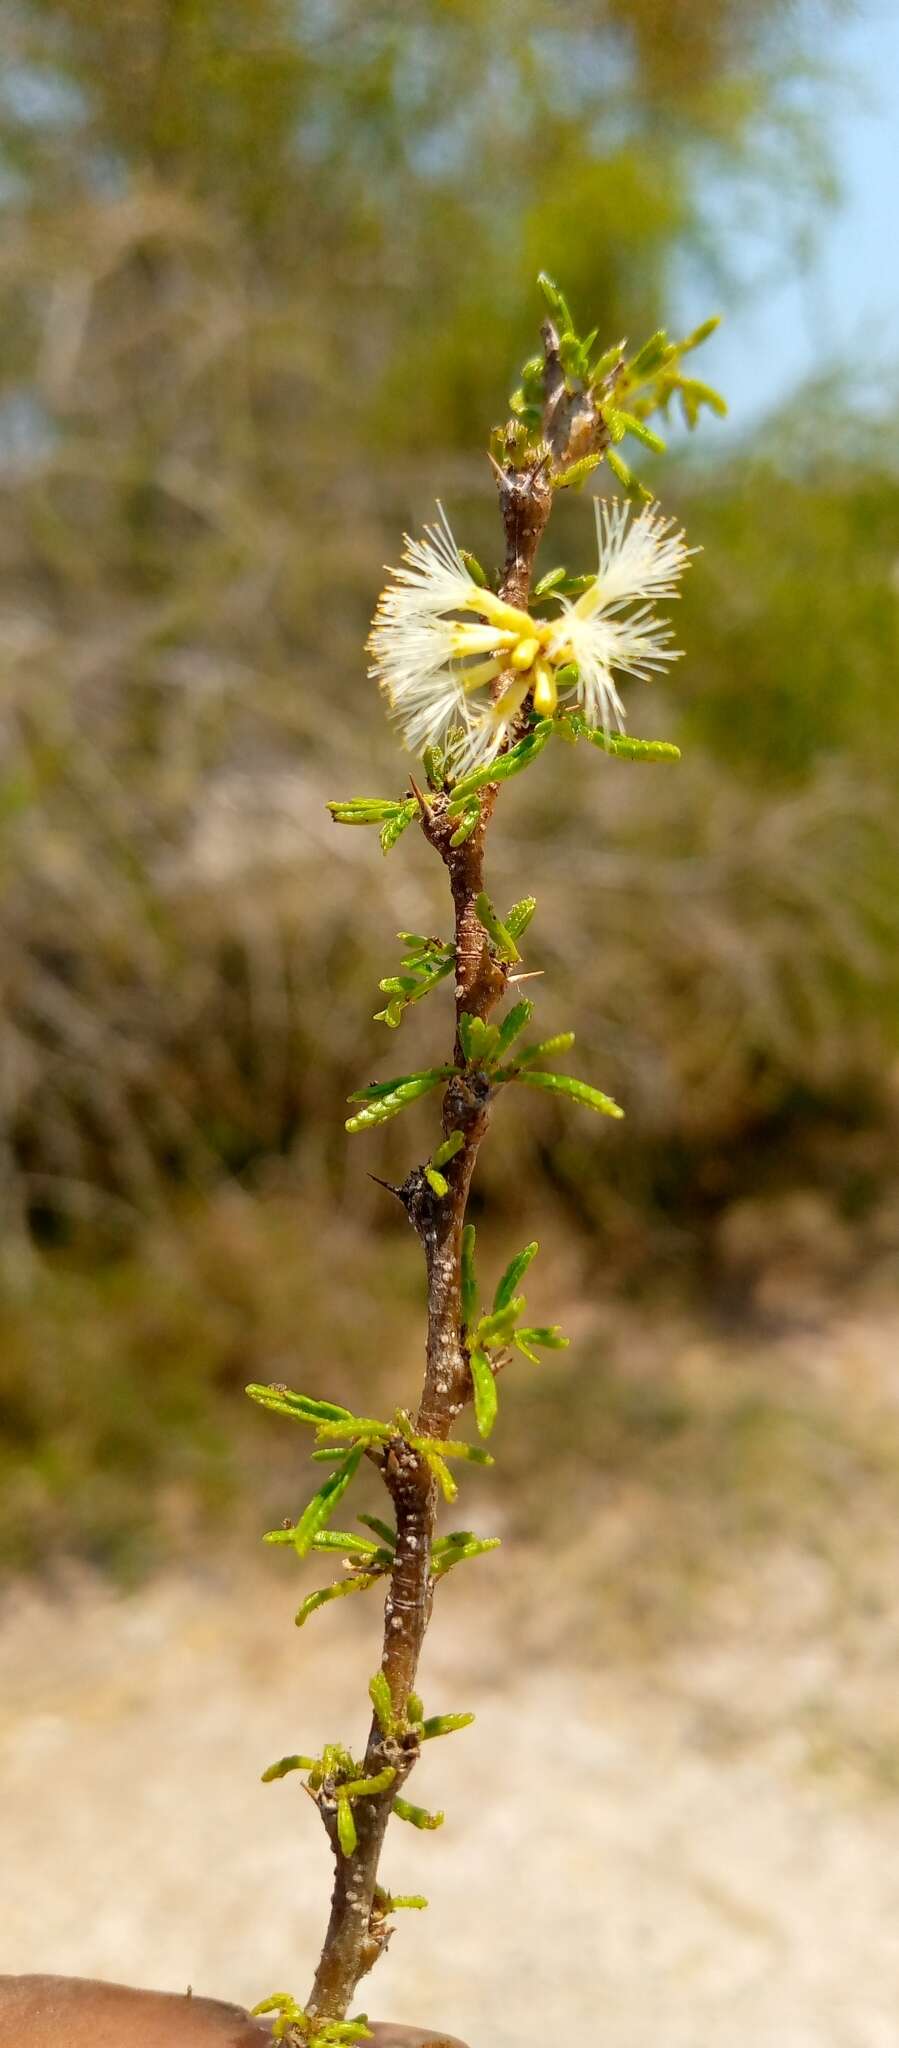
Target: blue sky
[845,301]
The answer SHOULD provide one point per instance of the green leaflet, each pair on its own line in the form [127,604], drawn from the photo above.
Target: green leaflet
[548,1339]
[346,1827]
[436,1182]
[520,915]
[286,1764]
[477,1039]
[429,964]
[576,473]
[503,943]
[469,1281]
[369,1788]
[561,1042]
[379,1694]
[515,1271]
[486,1400]
[450,1551]
[395,827]
[448,1149]
[407,1900]
[359,1583]
[299,1407]
[381,1529]
[518,1017]
[500,770]
[322,1505]
[470,820]
[444,1724]
[367,810]
[641,432]
[417,1816]
[566,1084]
[378,1109]
[477,574]
[496,1329]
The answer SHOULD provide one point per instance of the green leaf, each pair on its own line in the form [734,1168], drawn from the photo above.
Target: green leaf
[369,1788]
[545,1340]
[620,469]
[503,943]
[395,827]
[520,915]
[444,1724]
[566,1084]
[322,1505]
[469,1282]
[448,1149]
[477,574]
[414,1709]
[359,1583]
[556,301]
[449,1551]
[506,765]
[407,1900]
[562,1041]
[344,1539]
[469,822]
[549,583]
[511,1025]
[441,1472]
[609,360]
[515,1271]
[577,472]
[641,432]
[496,1329]
[381,1529]
[379,1694]
[627,749]
[286,1764]
[650,355]
[299,1407]
[378,1109]
[367,810]
[485,1394]
[437,1182]
[417,1815]
[346,1827]
[478,1039]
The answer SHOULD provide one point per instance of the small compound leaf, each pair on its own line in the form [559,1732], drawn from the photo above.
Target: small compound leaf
[503,943]
[486,1400]
[367,810]
[299,1407]
[359,1583]
[378,1109]
[346,1827]
[518,1017]
[417,1816]
[514,1273]
[506,765]
[444,1724]
[322,1505]
[520,915]
[395,827]
[578,1091]
[286,1764]
[379,1694]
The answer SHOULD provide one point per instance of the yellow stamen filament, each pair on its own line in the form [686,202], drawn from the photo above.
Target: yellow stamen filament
[511,699]
[482,672]
[479,639]
[506,616]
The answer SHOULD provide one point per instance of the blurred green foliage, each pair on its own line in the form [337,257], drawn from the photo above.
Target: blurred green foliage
[266,272]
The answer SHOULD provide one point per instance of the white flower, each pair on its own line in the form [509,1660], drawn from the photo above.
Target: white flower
[638,561]
[437,670]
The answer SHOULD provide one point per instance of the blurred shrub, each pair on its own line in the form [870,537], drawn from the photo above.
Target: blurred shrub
[256,260]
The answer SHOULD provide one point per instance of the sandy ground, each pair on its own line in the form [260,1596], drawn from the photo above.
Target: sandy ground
[618,1864]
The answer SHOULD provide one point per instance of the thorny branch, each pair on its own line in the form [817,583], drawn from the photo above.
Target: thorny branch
[358,1931]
